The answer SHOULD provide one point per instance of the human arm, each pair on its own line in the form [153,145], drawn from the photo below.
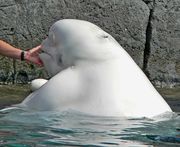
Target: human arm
[15,53]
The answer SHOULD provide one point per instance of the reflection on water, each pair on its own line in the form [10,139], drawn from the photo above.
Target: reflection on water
[20,128]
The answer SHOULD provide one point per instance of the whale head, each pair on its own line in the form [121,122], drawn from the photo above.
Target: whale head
[72,41]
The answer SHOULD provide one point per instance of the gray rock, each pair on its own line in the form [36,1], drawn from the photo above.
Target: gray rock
[3,76]
[22,77]
[164,60]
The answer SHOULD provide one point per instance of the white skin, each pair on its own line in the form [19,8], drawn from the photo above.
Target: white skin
[92,73]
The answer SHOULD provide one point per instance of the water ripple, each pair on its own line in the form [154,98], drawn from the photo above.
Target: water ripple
[49,129]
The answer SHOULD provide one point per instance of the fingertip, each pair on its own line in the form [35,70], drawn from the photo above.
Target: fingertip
[40,46]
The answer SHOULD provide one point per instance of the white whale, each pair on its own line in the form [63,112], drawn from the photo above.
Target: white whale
[93,74]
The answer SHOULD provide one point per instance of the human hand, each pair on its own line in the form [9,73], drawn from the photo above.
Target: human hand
[32,55]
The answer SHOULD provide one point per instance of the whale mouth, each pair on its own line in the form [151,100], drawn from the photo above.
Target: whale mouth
[44,52]
[44,55]
[51,63]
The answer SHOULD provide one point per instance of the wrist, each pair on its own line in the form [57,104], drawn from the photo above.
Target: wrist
[22,56]
[25,55]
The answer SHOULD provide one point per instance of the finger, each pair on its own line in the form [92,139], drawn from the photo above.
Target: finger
[36,61]
[35,49]
[39,62]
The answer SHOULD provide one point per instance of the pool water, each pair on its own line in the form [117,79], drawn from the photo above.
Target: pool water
[19,128]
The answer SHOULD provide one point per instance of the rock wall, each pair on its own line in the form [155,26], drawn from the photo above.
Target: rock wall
[148,29]
[163,60]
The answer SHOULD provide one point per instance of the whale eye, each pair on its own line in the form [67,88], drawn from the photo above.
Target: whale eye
[59,59]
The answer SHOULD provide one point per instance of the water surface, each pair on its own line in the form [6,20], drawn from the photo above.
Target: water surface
[20,128]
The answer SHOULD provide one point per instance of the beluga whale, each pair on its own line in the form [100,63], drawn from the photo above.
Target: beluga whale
[91,73]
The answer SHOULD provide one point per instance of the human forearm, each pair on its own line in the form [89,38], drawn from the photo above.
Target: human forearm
[10,51]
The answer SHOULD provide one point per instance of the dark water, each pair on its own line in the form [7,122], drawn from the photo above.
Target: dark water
[20,128]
